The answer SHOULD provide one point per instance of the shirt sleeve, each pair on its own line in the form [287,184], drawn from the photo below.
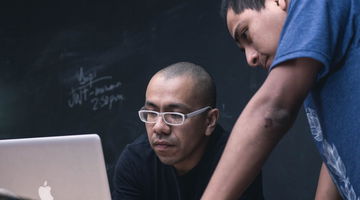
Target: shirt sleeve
[320,30]
[127,182]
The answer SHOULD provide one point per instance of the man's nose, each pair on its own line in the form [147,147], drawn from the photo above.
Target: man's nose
[160,127]
[252,56]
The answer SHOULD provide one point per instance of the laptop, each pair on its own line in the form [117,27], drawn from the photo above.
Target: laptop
[54,168]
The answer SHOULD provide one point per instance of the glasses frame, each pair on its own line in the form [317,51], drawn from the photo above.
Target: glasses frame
[184,116]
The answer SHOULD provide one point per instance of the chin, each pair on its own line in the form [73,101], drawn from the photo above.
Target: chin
[167,160]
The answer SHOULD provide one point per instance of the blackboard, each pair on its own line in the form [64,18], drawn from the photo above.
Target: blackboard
[75,67]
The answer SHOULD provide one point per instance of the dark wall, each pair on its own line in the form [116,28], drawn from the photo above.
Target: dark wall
[74,67]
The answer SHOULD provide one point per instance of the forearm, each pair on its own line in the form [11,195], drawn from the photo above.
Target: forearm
[254,136]
[326,189]
[263,122]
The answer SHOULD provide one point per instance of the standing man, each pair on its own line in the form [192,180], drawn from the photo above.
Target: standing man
[183,144]
[311,49]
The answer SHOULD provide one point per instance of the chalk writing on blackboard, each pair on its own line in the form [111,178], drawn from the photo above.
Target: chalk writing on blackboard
[98,92]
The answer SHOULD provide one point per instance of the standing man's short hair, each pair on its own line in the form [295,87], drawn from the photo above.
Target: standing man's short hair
[240,5]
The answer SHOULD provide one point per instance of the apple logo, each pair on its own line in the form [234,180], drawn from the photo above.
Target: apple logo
[45,192]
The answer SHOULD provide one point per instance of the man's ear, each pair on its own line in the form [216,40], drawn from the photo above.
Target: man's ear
[211,120]
[283,4]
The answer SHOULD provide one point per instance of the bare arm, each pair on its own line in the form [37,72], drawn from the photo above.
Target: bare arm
[263,122]
[326,189]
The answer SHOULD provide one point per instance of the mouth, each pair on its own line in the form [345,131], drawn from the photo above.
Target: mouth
[162,146]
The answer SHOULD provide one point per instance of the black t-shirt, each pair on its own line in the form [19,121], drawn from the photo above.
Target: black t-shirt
[139,174]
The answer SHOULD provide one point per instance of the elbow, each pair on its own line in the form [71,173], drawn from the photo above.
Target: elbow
[277,121]
[277,118]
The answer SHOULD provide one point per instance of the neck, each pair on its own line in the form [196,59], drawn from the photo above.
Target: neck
[193,159]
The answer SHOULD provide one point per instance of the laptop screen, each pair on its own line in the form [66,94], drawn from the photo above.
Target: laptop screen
[51,168]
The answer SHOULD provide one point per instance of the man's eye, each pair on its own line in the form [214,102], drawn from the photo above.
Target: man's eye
[242,37]
[152,115]
[245,35]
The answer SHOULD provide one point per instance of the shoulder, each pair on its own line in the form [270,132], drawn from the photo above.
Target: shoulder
[216,145]
[327,34]
[130,171]
[135,161]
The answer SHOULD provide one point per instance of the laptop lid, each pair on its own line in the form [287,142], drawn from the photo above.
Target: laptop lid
[54,168]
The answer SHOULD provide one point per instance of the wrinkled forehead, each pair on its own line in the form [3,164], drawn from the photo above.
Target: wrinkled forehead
[177,89]
[173,82]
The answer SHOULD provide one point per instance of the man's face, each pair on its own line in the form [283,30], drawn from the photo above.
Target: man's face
[181,146]
[258,32]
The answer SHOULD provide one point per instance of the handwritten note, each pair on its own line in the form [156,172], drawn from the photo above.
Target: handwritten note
[100,92]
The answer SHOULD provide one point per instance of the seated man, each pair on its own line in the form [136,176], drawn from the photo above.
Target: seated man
[183,143]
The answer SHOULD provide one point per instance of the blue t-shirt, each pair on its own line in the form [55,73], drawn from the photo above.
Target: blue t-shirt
[329,32]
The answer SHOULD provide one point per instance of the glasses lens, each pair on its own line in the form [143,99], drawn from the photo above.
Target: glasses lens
[148,116]
[174,118]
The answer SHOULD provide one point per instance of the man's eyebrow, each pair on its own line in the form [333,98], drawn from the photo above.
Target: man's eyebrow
[169,106]
[151,104]
[177,106]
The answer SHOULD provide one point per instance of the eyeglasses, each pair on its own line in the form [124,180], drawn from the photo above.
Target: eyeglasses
[170,118]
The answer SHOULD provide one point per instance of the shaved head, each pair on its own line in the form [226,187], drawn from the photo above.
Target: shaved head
[204,82]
